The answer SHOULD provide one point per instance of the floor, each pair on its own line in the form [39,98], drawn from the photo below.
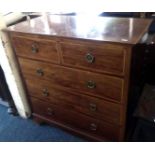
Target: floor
[3,102]
[17,129]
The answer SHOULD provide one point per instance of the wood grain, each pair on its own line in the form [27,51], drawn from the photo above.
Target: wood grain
[94,107]
[75,120]
[106,58]
[77,71]
[106,86]
[46,50]
[105,29]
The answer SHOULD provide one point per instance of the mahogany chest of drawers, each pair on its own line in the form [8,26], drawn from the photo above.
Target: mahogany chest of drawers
[77,72]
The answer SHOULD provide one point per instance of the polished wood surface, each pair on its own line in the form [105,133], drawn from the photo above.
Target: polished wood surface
[76,120]
[95,107]
[36,49]
[76,80]
[77,70]
[104,58]
[108,58]
[119,30]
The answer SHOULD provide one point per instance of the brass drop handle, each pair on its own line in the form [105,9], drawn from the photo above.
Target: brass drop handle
[34,48]
[50,111]
[39,72]
[93,127]
[45,92]
[91,84]
[92,107]
[90,58]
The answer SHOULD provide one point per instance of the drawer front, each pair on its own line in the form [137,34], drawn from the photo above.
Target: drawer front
[36,49]
[101,58]
[75,120]
[85,82]
[97,108]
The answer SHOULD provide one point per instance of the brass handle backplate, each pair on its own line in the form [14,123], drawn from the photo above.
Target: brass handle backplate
[50,111]
[90,58]
[93,127]
[39,72]
[92,107]
[91,84]
[45,92]
[34,48]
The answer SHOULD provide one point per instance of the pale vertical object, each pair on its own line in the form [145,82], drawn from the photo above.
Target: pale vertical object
[131,27]
[9,66]
[12,17]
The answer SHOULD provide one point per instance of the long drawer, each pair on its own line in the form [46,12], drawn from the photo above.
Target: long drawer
[94,107]
[75,120]
[38,49]
[86,82]
[102,58]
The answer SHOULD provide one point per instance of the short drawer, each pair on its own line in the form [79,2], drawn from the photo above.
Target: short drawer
[102,58]
[36,49]
[94,84]
[75,120]
[95,107]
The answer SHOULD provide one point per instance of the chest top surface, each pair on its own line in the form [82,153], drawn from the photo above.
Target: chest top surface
[110,29]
